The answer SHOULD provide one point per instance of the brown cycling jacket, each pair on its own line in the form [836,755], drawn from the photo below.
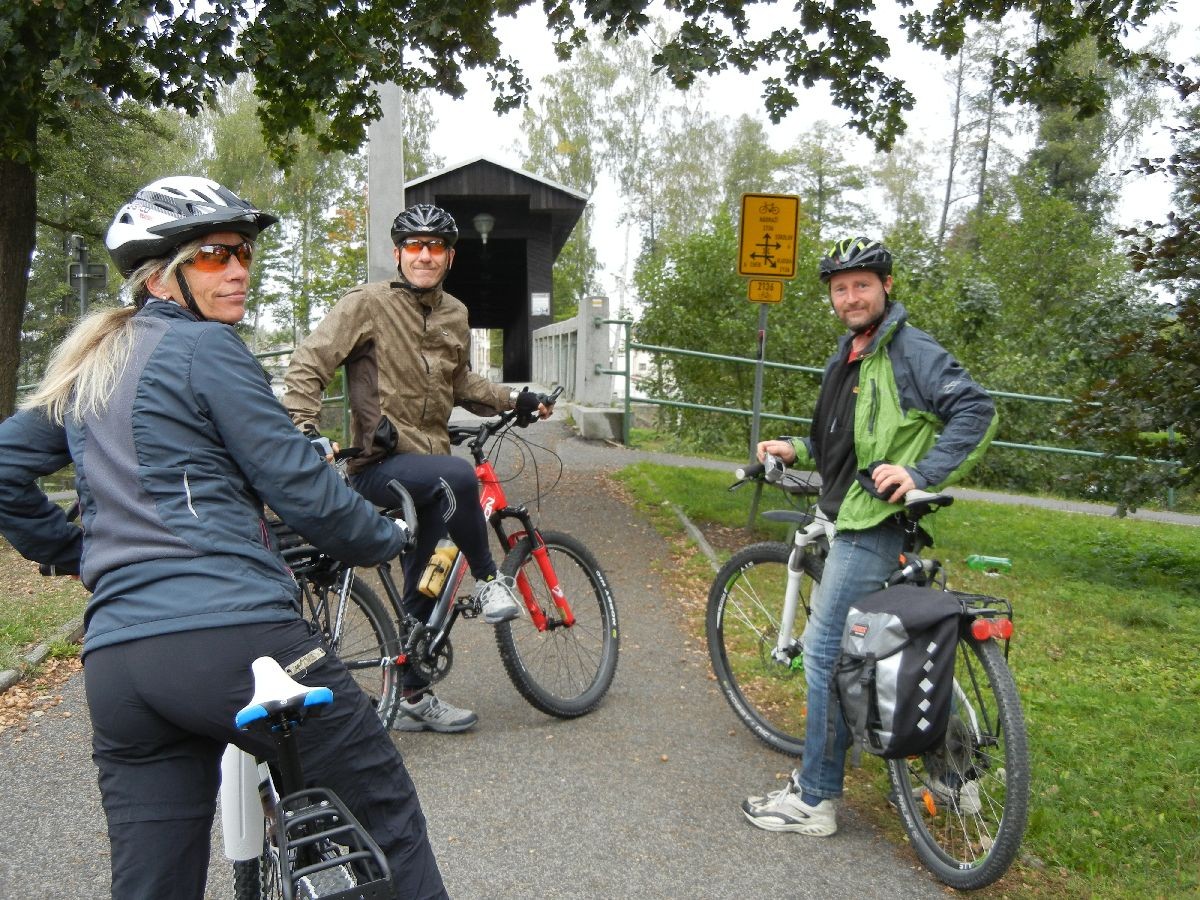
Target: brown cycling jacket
[406,357]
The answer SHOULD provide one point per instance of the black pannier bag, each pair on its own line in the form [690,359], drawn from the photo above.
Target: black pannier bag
[895,677]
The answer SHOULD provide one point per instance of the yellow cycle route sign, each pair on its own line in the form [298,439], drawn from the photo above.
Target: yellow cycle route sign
[761,291]
[767,237]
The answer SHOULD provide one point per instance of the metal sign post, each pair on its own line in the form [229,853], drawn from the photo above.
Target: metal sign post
[80,272]
[767,254]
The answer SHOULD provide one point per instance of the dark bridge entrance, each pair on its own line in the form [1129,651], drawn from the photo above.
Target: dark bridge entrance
[506,283]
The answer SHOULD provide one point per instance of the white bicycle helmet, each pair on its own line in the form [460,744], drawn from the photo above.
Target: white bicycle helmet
[173,211]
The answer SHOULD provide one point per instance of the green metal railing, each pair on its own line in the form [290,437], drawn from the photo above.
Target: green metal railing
[630,346]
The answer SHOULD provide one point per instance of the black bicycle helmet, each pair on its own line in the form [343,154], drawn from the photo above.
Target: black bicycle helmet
[856,253]
[425,220]
[172,211]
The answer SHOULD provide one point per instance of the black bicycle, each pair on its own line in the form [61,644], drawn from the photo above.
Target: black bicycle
[561,653]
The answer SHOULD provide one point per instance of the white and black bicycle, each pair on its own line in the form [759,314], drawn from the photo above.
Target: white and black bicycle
[964,803]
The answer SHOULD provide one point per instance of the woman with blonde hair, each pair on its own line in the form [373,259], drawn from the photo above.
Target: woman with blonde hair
[178,442]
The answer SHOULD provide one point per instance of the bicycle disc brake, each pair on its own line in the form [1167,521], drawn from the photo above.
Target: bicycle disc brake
[432,667]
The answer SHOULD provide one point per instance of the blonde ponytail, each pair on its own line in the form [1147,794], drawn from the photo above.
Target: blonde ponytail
[84,368]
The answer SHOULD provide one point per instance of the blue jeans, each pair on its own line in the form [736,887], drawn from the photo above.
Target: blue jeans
[858,563]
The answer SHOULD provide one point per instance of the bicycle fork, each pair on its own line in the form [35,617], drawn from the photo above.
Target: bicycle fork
[788,649]
[541,556]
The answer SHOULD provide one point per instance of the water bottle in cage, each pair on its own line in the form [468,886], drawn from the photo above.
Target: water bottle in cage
[438,567]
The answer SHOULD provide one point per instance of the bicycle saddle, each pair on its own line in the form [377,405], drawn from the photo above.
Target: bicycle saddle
[275,693]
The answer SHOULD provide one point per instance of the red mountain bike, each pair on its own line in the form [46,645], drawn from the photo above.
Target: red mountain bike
[561,653]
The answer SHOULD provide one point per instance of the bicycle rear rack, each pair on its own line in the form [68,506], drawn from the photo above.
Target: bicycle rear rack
[311,821]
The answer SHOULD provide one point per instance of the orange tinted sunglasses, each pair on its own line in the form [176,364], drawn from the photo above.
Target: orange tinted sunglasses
[414,246]
[215,257]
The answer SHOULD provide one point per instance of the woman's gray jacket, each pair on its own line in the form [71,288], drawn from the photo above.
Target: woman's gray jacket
[172,478]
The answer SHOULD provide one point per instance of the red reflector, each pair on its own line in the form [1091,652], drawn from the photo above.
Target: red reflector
[982,629]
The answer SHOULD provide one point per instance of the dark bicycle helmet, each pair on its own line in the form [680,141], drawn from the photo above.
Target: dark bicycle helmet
[426,220]
[172,211]
[856,253]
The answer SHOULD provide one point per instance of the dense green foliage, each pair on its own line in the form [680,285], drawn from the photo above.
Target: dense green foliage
[316,64]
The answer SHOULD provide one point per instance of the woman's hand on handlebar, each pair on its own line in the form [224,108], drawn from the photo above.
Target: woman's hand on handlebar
[783,449]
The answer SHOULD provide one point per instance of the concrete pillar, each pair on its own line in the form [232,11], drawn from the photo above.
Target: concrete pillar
[594,350]
[385,182]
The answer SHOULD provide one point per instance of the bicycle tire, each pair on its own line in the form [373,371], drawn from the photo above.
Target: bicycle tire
[258,879]
[745,604]
[562,671]
[966,804]
[367,637]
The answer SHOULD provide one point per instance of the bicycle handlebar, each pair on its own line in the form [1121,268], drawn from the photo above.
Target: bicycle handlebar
[771,469]
[484,430]
[406,511]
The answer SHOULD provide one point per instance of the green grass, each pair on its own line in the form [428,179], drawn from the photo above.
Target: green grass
[1107,615]
[33,609]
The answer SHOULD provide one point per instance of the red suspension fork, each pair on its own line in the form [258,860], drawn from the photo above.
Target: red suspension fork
[542,557]
[492,500]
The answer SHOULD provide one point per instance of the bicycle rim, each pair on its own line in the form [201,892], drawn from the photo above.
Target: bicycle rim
[745,605]
[965,804]
[366,640]
[563,671]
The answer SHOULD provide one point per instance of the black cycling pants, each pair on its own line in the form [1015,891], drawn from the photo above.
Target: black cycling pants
[445,491]
[162,712]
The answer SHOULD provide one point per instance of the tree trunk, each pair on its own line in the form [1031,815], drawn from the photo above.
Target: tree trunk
[959,77]
[18,213]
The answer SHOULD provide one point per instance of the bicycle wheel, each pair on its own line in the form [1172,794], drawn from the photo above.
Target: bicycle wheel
[965,804]
[258,879]
[366,638]
[564,670]
[745,605]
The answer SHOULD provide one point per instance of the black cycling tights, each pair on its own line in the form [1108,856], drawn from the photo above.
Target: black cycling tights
[446,493]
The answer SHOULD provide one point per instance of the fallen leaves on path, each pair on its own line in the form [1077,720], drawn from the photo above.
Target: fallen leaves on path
[36,695]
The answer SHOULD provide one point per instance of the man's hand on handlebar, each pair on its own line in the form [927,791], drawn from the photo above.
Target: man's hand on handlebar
[531,406]
[783,449]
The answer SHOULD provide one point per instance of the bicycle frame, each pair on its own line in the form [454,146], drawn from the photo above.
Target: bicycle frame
[496,510]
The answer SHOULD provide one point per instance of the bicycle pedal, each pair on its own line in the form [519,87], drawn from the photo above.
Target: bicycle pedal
[468,609]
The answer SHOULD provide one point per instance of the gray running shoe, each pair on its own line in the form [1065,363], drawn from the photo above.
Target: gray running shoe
[783,810]
[497,599]
[431,714]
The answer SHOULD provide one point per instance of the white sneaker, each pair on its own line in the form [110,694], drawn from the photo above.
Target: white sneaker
[497,599]
[783,810]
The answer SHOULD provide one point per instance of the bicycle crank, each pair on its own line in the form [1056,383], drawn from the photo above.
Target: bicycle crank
[431,666]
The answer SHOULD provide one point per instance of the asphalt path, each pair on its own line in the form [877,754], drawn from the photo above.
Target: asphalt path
[638,799]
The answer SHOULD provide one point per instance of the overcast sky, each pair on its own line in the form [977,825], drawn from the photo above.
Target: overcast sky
[468,128]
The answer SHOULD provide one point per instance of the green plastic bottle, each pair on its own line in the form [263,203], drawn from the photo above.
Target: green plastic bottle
[992,565]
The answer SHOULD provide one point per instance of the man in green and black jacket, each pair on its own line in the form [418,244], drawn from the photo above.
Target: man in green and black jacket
[895,403]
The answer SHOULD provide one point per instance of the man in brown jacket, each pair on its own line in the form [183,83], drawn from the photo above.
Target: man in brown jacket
[406,345]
